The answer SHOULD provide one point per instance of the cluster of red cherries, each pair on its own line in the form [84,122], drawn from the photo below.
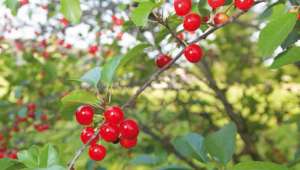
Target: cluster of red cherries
[115,129]
[192,21]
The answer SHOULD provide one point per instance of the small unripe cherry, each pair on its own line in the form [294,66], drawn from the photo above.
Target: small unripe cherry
[129,129]
[128,143]
[215,3]
[86,135]
[109,132]
[243,4]
[220,18]
[97,152]
[84,115]
[193,53]
[162,60]
[182,7]
[114,115]
[191,22]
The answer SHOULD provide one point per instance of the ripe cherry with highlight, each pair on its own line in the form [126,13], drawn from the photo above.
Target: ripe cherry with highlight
[114,115]
[86,135]
[97,152]
[192,22]
[182,7]
[215,3]
[193,53]
[84,115]
[220,18]
[109,132]
[243,4]
[129,129]
[162,60]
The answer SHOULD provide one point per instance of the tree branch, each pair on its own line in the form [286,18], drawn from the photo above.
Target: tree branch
[155,75]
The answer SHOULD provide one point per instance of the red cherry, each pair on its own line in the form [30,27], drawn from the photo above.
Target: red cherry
[60,42]
[220,18]
[45,54]
[215,3]
[31,114]
[193,53]
[117,21]
[129,129]
[68,46]
[13,154]
[31,107]
[97,152]
[299,16]
[162,60]
[41,127]
[44,117]
[84,115]
[2,155]
[192,22]
[86,134]
[93,49]
[43,43]
[23,2]
[114,115]
[182,7]
[128,143]
[64,22]
[20,119]
[109,132]
[243,4]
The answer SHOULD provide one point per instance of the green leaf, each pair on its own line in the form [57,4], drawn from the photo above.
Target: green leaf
[48,156]
[109,70]
[12,5]
[7,164]
[221,144]
[136,51]
[141,13]
[174,167]
[67,110]
[92,76]
[54,167]
[259,166]
[293,37]
[50,70]
[80,96]
[29,157]
[71,10]
[275,33]
[192,146]
[289,56]
[145,160]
